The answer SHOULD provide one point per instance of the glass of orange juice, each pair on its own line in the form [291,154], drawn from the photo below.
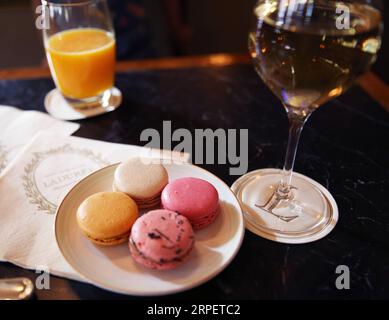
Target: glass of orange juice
[80,46]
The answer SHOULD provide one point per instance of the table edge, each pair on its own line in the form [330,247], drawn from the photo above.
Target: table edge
[213,60]
[375,87]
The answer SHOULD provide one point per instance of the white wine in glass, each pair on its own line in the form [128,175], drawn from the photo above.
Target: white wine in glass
[307,52]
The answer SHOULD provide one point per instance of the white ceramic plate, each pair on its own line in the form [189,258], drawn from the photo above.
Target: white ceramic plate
[112,268]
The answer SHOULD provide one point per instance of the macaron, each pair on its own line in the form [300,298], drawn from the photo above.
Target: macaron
[194,198]
[142,181]
[161,240]
[106,218]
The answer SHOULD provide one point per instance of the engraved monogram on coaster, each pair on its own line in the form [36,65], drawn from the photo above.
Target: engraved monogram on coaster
[51,173]
[3,157]
[275,200]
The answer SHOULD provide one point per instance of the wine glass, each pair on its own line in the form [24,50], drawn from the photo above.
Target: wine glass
[307,52]
[80,46]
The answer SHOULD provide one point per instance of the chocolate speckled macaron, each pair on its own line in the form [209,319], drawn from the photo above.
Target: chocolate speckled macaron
[161,239]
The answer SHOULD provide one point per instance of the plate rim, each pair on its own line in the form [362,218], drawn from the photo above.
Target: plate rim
[241,231]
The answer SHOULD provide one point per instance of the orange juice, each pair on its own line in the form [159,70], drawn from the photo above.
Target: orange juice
[82,61]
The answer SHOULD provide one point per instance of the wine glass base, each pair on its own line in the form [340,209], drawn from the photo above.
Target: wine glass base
[309,215]
[60,108]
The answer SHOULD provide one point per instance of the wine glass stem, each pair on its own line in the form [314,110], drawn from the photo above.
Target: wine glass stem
[296,124]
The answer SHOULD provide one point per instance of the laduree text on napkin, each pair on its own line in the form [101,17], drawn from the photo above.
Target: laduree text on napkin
[17,127]
[34,184]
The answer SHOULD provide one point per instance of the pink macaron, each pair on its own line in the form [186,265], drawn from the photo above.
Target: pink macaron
[161,239]
[193,198]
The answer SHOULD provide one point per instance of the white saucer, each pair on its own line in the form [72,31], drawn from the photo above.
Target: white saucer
[59,108]
[249,209]
[112,268]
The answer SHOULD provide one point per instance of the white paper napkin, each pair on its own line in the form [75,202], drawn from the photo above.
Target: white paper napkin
[34,183]
[17,127]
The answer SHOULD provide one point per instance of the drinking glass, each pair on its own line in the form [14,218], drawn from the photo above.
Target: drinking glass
[307,52]
[80,46]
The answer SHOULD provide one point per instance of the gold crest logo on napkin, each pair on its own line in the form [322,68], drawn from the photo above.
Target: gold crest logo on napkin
[44,186]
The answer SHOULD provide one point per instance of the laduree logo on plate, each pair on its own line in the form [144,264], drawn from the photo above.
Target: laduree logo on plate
[3,157]
[50,174]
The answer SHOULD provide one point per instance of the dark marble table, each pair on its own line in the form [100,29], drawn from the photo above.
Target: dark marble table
[345,147]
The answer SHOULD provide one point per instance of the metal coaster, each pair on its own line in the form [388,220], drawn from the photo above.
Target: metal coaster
[252,213]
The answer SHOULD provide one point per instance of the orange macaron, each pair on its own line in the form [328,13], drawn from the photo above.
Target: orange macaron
[106,218]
